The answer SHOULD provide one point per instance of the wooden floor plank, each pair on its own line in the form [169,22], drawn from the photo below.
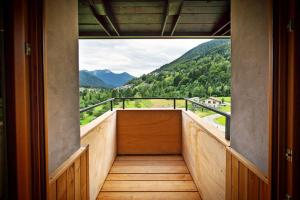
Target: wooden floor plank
[148,186]
[149,196]
[147,166]
[149,177]
[153,158]
[149,163]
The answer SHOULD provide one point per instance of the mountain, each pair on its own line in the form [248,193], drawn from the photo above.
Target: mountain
[202,71]
[103,78]
[87,79]
[114,79]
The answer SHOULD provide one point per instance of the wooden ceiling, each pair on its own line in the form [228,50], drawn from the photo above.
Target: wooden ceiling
[154,18]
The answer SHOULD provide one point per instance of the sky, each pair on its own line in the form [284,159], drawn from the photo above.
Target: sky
[134,56]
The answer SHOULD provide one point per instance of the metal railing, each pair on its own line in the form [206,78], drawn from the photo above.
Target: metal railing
[187,100]
[226,115]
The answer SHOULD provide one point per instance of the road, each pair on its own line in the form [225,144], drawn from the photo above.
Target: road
[210,120]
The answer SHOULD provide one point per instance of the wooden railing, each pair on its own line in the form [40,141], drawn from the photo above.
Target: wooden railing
[71,179]
[218,171]
[174,99]
[243,179]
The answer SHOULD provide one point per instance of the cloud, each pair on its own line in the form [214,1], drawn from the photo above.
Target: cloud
[135,56]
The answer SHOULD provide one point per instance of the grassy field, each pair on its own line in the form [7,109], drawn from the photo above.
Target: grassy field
[226,99]
[220,120]
[88,116]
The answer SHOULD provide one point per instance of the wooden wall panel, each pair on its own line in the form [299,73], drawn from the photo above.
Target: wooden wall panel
[205,156]
[100,135]
[149,131]
[67,181]
[244,180]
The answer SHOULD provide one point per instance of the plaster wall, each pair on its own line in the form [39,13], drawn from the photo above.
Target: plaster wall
[62,94]
[251,79]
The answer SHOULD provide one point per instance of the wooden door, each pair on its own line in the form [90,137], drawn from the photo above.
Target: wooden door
[285,138]
[24,100]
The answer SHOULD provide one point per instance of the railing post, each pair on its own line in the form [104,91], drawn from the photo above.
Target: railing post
[186,105]
[123,103]
[111,106]
[227,128]
[174,103]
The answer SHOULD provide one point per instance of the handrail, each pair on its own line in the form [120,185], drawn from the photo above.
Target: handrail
[226,115]
[138,98]
[98,104]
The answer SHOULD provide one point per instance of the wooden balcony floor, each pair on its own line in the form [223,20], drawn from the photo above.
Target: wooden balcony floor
[149,177]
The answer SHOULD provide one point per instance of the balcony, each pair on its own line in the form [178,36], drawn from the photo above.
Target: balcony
[167,153]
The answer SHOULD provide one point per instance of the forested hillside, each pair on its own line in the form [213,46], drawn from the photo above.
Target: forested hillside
[203,71]
[103,78]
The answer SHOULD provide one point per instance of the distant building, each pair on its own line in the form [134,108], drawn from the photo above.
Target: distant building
[212,102]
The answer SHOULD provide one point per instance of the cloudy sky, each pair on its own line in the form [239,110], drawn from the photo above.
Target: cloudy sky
[134,56]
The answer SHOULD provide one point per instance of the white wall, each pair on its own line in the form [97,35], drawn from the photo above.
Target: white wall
[251,79]
[62,93]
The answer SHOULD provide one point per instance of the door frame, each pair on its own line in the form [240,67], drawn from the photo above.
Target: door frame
[285,177]
[26,151]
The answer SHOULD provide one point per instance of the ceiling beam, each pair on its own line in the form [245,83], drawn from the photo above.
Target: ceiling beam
[177,18]
[165,17]
[109,15]
[223,25]
[102,11]
[222,28]
[100,18]
[226,32]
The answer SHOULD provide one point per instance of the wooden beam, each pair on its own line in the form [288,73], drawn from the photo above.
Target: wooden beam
[177,18]
[226,32]
[109,15]
[100,18]
[166,17]
[223,25]
[221,28]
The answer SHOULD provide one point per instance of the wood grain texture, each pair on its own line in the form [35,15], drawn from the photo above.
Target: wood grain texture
[83,177]
[228,175]
[70,183]
[70,180]
[149,131]
[149,196]
[243,181]
[235,179]
[149,177]
[154,184]
[153,158]
[149,186]
[62,187]
[205,156]
[167,167]
[101,138]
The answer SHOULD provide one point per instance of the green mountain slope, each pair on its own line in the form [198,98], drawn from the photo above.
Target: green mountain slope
[86,79]
[203,71]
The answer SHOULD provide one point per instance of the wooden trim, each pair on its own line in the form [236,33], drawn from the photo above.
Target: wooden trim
[284,100]
[36,81]
[217,134]
[18,108]
[86,129]
[243,179]
[62,168]
[71,179]
[249,165]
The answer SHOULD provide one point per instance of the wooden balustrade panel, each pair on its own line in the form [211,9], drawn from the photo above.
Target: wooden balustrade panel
[243,180]
[71,179]
[149,131]
[100,135]
[205,156]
